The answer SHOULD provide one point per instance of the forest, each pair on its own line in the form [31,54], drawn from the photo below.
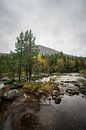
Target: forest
[27,63]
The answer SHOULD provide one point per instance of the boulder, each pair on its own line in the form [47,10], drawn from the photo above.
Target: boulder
[83,90]
[4,79]
[57,100]
[55,93]
[5,89]
[54,97]
[72,91]
[9,96]
[9,81]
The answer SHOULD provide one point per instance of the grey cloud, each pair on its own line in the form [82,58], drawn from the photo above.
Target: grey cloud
[59,24]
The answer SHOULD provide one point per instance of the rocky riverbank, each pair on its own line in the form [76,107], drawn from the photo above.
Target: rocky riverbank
[23,109]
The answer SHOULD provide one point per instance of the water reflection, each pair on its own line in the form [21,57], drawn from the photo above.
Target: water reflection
[64,113]
[70,113]
[28,122]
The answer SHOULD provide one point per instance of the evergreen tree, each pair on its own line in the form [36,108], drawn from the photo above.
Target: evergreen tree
[20,49]
[31,53]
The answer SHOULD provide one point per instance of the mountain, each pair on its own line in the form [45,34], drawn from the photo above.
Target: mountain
[46,50]
[43,50]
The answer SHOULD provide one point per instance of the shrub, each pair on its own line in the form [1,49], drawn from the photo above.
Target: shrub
[83,72]
[46,87]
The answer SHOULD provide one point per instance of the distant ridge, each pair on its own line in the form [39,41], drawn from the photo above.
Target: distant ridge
[46,50]
[43,50]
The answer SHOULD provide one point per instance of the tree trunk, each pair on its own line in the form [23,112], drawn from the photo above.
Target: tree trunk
[20,71]
[0,74]
[26,72]
[19,74]
[30,72]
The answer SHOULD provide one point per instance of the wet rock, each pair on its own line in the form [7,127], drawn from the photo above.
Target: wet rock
[49,97]
[12,93]
[84,96]
[56,87]
[9,81]
[21,115]
[83,90]
[72,91]
[5,89]
[54,97]
[55,93]
[57,100]
[4,79]
[62,83]
[9,96]
[34,95]
[77,84]
[41,92]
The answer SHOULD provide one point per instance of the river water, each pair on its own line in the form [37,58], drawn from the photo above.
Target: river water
[70,114]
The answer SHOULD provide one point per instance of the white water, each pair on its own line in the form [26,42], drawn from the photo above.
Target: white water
[1,85]
[64,77]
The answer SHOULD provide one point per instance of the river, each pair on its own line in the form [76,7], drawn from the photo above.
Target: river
[68,114]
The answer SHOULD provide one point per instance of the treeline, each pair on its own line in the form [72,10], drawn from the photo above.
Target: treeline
[60,63]
[27,61]
[66,64]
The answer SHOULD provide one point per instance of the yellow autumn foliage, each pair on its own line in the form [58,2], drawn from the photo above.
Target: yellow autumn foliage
[43,60]
[46,87]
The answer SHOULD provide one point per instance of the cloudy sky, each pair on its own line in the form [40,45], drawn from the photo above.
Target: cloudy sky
[59,24]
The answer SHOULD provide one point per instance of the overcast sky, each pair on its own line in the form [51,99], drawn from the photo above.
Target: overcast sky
[59,24]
